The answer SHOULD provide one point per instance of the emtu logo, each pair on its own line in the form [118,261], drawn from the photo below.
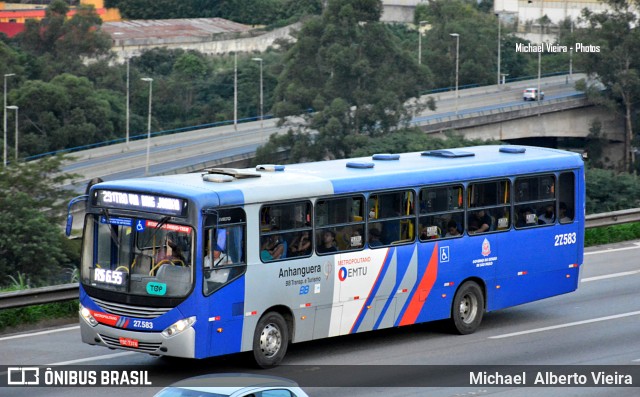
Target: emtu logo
[345,273]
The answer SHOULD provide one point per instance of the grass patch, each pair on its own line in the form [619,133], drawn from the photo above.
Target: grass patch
[10,318]
[612,234]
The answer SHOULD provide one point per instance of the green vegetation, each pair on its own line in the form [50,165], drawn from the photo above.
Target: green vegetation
[251,12]
[611,191]
[10,318]
[612,234]
[33,251]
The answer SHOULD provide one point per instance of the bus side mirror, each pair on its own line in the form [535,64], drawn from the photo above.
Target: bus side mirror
[67,230]
[69,227]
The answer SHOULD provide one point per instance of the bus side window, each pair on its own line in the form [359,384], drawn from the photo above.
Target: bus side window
[566,208]
[538,206]
[395,218]
[441,212]
[287,223]
[490,205]
[224,255]
[340,223]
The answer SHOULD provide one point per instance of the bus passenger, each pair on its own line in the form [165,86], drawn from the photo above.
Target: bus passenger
[170,252]
[483,221]
[271,248]
[452,229]
[328,243]
[548,216]
[562,213]
[301,245]
[374,238]
[526,218]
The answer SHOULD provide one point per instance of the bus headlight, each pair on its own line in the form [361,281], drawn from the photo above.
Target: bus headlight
[178,327]
[86,315]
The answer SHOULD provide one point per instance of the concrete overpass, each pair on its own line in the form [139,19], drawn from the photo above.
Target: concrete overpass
[483,112]
[564,113]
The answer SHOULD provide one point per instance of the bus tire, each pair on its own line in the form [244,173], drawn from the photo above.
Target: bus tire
[467,309]
[270,340]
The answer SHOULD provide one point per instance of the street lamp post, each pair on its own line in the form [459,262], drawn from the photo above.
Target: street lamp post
[16,109]
[420,25]
[499,47]
[235,89]
[457,36]
[150,81]
[127,112]
[571,54]
[4,111]
[261,92]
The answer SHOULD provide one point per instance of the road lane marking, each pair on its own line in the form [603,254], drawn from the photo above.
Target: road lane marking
[95,358]
[593,320]
[51,331]
[636,246]
[606,276]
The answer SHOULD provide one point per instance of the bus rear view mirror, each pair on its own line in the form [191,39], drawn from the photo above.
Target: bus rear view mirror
[70,208]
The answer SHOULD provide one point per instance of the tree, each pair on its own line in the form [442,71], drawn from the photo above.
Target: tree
[66,38]
[253,12]
[610,191]
[348,75]
[478,50]
[614,62]
[66,112]
[31,209]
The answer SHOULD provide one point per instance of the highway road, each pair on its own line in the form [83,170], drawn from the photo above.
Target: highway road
[597,325]
[193,150]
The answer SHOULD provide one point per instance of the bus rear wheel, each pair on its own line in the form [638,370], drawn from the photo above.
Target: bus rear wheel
[467,309]
[270,340]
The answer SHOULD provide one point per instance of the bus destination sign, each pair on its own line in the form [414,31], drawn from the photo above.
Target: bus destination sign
[139,201]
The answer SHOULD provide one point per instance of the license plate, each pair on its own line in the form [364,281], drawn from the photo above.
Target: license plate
[128,342]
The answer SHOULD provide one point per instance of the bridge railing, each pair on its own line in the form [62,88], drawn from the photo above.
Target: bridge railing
[66,292]
[497,109]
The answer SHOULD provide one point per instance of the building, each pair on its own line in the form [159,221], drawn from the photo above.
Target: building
[13,16]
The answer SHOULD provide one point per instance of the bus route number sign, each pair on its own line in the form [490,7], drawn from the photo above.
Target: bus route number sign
[140,202]
[107,276]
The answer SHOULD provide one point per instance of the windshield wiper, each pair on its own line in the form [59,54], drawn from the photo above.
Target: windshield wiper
[158,227]
[112,232]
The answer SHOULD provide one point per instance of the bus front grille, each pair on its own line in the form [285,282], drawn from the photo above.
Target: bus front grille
[146,347]
[131,311]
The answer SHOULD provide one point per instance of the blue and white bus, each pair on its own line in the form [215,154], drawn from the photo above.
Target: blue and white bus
[232,260]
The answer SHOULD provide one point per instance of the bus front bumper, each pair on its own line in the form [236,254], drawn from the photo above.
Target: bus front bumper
[180,345]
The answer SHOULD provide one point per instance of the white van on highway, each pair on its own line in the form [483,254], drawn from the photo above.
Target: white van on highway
[531,94]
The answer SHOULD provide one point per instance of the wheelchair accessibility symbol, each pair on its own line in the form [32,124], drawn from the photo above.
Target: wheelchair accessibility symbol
[140,226]
[444,254]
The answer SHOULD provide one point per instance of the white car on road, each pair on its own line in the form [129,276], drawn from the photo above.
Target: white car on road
[233,385]
[531,94]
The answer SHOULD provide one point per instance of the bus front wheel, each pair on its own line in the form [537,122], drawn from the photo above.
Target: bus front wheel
[467,309]
[270,340]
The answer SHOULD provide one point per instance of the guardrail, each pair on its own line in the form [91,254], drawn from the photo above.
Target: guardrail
[487,114]
[38,296]
[65,292]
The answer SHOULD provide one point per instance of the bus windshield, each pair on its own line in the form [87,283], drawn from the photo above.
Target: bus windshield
[138,256]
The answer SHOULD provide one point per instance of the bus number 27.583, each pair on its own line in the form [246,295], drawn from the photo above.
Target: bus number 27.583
[565,239]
